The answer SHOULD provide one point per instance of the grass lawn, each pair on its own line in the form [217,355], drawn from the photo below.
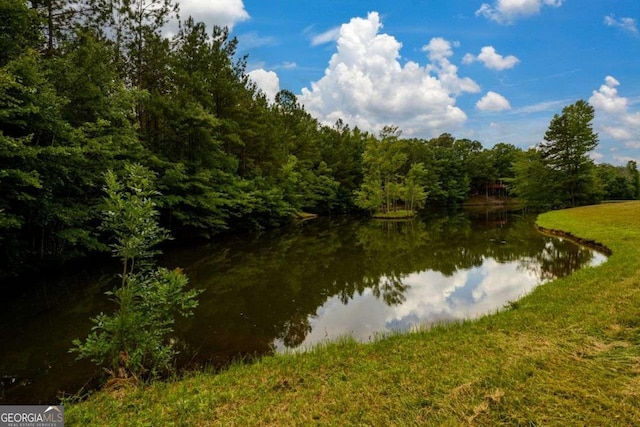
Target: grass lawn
[568,354]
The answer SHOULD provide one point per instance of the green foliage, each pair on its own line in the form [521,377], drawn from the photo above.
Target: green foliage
[130,215]
[370,196]
[199,200]
[88,86]
[619,183]
[560,172]
[503,157]
[341,149]
[18,29]
[19,187]
[383,160]
[533,181]
[444,169]
[634,178]
[135,340]
[568,141]
[415,194]
[561,354]
[448,157]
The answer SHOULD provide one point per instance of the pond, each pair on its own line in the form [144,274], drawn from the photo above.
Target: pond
[291,288]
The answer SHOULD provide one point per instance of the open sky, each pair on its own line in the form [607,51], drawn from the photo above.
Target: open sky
[490,70]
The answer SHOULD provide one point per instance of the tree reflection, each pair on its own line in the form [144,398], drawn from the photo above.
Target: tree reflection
[275,289]
[295,330]
[391,289]
[260,290]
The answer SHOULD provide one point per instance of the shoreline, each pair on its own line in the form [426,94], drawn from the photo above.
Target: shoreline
[560,353]
[599,247]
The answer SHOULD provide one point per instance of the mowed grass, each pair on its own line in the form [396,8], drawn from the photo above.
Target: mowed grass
[568,354]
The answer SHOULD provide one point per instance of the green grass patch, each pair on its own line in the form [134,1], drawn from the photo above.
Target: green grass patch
[400,214]
[567,354]
[306,215]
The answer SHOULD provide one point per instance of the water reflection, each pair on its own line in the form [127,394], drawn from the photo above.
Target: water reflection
[293,287]
[323,279]
[429,297]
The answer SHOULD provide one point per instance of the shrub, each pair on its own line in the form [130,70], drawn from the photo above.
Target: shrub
[134,341]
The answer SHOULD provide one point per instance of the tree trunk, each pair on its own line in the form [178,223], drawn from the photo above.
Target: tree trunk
[50,26]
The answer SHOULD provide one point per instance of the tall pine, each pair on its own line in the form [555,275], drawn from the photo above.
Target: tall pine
[565,150]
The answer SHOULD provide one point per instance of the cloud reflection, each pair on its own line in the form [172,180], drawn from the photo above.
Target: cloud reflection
[430,297]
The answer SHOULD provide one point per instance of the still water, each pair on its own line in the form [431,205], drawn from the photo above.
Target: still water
[294,287]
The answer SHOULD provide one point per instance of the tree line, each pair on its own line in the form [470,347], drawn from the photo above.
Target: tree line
[90,86]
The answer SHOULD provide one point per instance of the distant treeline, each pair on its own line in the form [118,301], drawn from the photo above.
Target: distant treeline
[87,86]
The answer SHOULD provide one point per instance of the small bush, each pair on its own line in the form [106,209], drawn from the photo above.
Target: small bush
[134,341]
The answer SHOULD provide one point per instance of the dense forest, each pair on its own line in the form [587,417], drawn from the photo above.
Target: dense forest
[88,86]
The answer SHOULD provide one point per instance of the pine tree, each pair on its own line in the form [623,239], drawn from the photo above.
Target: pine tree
[568,141]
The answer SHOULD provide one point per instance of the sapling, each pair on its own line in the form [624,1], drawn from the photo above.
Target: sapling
[134,341]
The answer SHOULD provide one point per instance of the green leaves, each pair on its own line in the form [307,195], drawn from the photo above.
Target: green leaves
[135,340]
[566,173]
[619,182]
[382,161]
[130,214]
[18,29]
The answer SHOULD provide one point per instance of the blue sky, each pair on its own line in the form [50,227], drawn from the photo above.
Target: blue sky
[492,70]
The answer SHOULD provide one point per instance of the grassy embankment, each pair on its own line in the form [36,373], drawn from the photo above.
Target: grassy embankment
[566,355]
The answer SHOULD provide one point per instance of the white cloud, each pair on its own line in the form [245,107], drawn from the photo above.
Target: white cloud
[625,159]
[225,13]
[492,59]
[616,132]
[493,102]
[468,58]
[607,100]
[508,11]
[366,85]
[613,115]
[595,156]
[252,40]
[326,37]
[632,144]
[626,24]
[267,81]
[543,106]
[439,49]
[632,119]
